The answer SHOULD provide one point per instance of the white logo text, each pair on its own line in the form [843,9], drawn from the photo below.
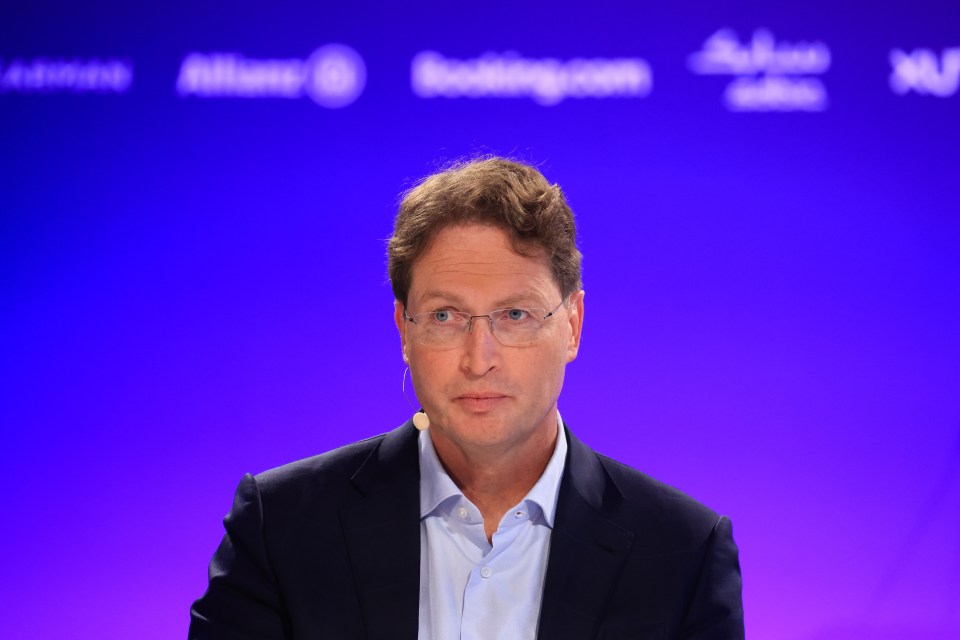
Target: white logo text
[547,81]
[333,76]
[43,75]
[771,75]
[923,72]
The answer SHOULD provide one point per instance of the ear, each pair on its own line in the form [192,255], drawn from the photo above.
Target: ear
[575,318]
[401,326]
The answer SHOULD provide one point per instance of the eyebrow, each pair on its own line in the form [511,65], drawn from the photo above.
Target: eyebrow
[515,298]
[442,295]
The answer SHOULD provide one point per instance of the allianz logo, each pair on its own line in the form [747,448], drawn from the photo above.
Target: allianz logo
[333,76]
[922,71]
[48,75]
[768,75]
[547,81]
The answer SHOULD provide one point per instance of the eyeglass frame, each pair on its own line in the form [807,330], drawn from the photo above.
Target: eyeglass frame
[488,316]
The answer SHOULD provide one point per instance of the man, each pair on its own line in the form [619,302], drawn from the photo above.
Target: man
[489,519]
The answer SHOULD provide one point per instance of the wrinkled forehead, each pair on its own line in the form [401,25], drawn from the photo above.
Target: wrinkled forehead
[481,264]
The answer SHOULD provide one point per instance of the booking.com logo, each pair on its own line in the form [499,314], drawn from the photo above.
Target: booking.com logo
[333,76]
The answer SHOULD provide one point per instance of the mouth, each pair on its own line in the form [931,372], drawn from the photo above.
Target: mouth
[480,402]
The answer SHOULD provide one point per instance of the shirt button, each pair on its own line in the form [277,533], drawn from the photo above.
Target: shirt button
[518,514]
[486,572]
[462,512]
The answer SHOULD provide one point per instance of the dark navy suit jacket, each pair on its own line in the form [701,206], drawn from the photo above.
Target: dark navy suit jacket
[329,547]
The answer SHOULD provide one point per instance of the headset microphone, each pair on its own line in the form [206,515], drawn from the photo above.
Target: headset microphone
[420,419]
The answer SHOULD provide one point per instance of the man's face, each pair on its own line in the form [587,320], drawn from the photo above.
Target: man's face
[483,394]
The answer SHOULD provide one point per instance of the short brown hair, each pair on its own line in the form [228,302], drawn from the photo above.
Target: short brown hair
[493,191]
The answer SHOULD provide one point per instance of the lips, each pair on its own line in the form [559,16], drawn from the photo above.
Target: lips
[480,402]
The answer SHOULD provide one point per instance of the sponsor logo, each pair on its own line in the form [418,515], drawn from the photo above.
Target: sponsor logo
[922,71]
[769,75]
[547,81]
[333,76]
[45,75]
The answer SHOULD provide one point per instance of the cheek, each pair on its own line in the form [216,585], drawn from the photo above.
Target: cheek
[429,371]
[547,368]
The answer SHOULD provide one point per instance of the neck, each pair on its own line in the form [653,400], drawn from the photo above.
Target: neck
[497,478]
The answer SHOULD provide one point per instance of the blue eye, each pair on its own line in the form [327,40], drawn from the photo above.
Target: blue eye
[516,314]
[443,315]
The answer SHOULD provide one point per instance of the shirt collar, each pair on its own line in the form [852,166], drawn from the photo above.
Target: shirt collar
[436,486]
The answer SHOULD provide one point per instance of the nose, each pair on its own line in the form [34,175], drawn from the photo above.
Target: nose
[481,350]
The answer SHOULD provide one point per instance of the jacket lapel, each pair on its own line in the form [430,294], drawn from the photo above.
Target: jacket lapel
[382,532]
[587,549]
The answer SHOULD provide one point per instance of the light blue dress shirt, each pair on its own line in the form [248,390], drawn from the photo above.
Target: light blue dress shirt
[472,589]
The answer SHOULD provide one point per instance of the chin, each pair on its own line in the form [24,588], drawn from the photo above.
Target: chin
[480,429]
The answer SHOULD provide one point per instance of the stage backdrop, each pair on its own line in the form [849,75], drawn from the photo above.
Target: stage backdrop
[193,208]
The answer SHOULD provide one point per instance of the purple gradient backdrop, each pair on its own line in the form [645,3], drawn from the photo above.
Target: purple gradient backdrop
[194,289]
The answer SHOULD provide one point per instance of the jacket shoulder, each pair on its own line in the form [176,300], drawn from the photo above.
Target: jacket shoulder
[658,508]
[323,482]
[315,487]
[339,463]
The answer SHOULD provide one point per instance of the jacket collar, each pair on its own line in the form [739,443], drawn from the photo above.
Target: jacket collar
[382,533]
[587,549]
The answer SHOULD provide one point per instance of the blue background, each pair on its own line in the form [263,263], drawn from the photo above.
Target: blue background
[191,289]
